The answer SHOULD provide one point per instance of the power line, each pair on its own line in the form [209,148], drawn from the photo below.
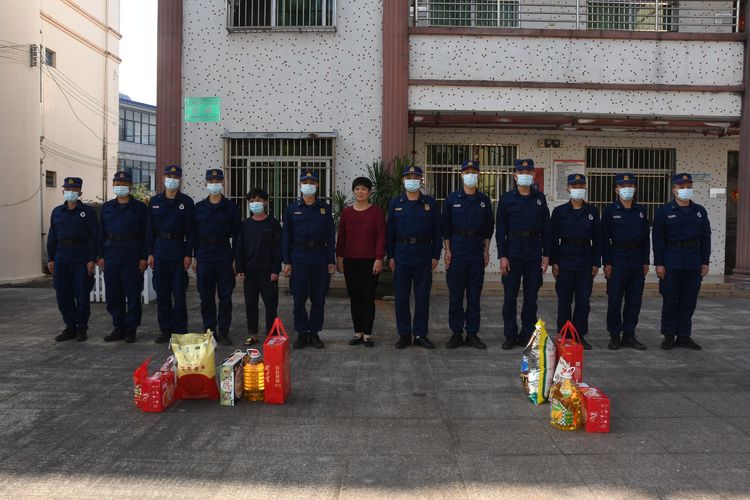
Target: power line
[32,195]
[76,89]
[68,156]
[72,109]
[94,108]
[72,151]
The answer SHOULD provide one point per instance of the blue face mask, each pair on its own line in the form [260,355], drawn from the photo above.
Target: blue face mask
[308,189]
[627,193]
[412,185]
[685,194]
[577,194]
[214,188]
[70,195]
[256,207]
[121,190]
[171,184]
[470,180]
[525,179]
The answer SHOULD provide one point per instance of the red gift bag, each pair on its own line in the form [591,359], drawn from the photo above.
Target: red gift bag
[278,380]
[569,346]
[154,393]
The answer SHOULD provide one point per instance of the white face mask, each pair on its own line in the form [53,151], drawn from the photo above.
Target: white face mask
[171,184]
[685,194]
[525,179]
[70,195]
[627,193]
[470,180]
[308,189]
[121,190]
[214,188]
[256,207]
[412,185]
[577,194]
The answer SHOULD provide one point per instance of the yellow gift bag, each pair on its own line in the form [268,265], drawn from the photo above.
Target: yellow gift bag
[196,365]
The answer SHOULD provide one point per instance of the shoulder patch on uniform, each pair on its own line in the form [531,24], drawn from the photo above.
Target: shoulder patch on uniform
[700,214]
[539,202]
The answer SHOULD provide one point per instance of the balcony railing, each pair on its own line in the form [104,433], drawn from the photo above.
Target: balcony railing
[698,16]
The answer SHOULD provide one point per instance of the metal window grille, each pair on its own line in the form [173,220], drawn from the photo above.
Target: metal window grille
[255,14]
[442,168]
[653,168]
[275,165]
[482,13]
[631,15]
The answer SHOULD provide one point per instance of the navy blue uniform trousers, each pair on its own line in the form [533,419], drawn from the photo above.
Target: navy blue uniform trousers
[72,287]
[464,276]
[625,282]
[170,283]
[124,282]
[530,272]
[679,289]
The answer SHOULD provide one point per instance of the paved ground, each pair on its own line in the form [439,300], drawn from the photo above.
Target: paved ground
[374,422]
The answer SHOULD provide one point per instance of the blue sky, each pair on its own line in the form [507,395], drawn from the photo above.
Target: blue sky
[138,49]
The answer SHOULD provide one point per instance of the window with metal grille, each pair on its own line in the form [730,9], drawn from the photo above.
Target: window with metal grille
[143,172]
[276,165]
[629,15]
[483,13]
[258,14]
[653,168]
[443,162]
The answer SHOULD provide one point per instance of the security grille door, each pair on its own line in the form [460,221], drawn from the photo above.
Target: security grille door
[653,168]
[443,167]
[275,165]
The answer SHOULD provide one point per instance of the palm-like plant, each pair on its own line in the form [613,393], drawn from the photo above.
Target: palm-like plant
[386,182]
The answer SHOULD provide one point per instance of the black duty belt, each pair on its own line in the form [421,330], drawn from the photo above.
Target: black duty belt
[215,240]
[124,237]
[684,243]
[525,234]
[576,242]
[310,244]
[413,240]
[627,245]
[72,242]
[171,236]
[468,233]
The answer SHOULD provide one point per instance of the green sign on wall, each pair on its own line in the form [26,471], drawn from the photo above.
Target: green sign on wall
[202,109]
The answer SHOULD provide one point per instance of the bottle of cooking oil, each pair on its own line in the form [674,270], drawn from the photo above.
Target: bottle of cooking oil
[565,403]
[253,377]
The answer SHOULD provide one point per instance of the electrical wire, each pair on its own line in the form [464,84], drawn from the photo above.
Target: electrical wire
[32,195]
[67,156]
[114,117]
[73,109]
[81,95]
[72,151]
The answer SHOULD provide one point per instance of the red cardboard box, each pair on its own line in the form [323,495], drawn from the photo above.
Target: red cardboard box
[595,409]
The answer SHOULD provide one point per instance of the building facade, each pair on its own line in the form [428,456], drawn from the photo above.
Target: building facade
[652,87]
[58,64]
[137,148]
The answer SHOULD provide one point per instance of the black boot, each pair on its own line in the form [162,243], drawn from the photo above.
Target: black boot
[117,334]
[81,334]
[688,343]
[424,342]
[473,341]
[403,341]
[68,334]
[301,341]
[163,338]
[586,345]
[455,341]
[614,342]
[315,341]
[632,342]
[509,344]
[223,339]
[130,336]
[668,342]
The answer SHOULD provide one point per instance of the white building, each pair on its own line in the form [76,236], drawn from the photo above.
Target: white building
[137,148]
[651,87]
[58,68]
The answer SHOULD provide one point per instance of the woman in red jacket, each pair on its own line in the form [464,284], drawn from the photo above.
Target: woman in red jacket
[360,249]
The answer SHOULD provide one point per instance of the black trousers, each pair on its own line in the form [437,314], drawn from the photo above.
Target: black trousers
[361,285]
[258,283]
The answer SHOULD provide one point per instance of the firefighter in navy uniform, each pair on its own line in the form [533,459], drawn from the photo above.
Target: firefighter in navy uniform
[625,251]
[575,256]
[122,257]
[682,250]
[468,224]
[170,238]
[522,233]
[309,250]
[217,226]
[72,243]
[414,242]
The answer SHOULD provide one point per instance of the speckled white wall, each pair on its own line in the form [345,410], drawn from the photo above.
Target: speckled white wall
[575,60]
[694,154]
[284,82]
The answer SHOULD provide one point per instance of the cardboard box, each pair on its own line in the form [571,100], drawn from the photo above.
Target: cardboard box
[157,392]
[231,377]
[595,409]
